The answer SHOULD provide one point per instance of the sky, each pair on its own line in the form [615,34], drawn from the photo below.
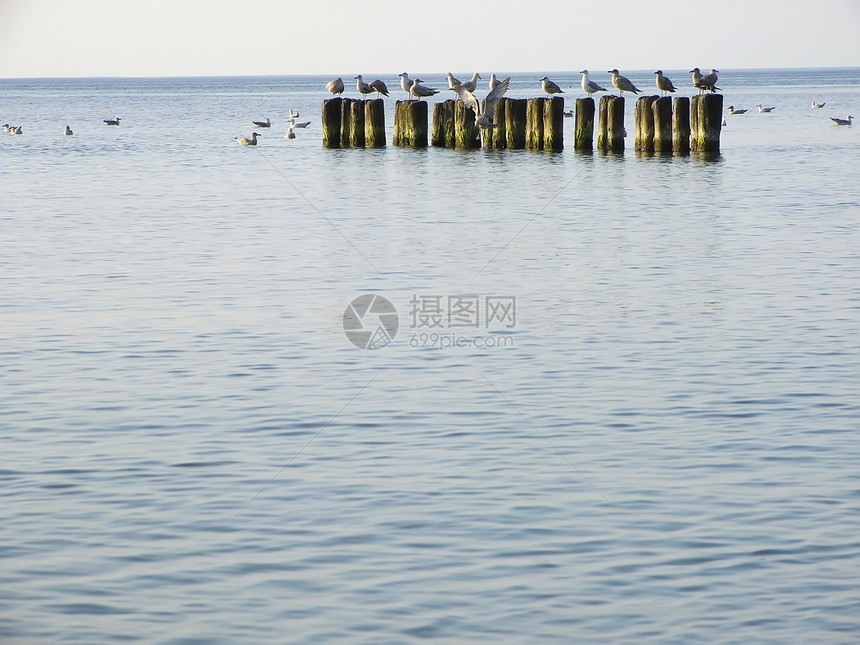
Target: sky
[61,38]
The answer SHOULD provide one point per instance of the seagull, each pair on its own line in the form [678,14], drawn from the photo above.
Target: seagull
[18,130]
[484,120]
[765,109]
[663,83]
[709,81]
[289,135]
[111,121]
[303,124]
[472,83]
[837,121]
[452,81]
[697,76]
[494,82]
[622,84]
[68,131]
[549,87]
[724,123]
[380,87]
[568,113]
[421,91]
[263,124]
[590,86]
[732,110]
[248,142]
[293,115]
[335,86]
[362,87]
[406,84]
[818,105]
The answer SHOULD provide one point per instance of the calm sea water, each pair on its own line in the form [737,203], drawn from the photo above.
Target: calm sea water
[647,430]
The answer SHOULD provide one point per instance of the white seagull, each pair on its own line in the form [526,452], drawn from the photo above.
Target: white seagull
[293,115]
[846,121]
[549,87]
[453,81]
[290,134]
[622,84]
[765,109]
[484,120]
[406,84]
[263,124]
[248,142]
[494,82]
[732,110]
[420,91]
[590,86]
[68,131]
[111,121]
[472,83]
[303,124]
[663,83]
[335,87]
[818,105]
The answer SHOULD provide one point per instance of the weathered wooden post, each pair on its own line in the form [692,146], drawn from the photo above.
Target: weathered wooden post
[515,123]
[442,134]
[356,124]
[662,109]
[643,115]
[534,123]
[553,124]
[496,137]
[681,124]
[610,124]
[466,133]
[705,136]
[374,123]
[410,124]
[345,128]
[331,109]
[584,135]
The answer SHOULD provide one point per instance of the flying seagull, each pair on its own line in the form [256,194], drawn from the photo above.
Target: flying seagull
[484,120]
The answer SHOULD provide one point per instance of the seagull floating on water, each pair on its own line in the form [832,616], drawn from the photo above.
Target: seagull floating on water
[379,87]
[590,86]
[290,134]
[765,109]
[732,110]
[248,142]
[335,86]
[663,83]
[846,121]
[68,131]
[303,124]
[422,91]
[549,87]
[568,113]
[622,84]
[818,105]
[484,120]
[111,121]
[263,124]
[293,115]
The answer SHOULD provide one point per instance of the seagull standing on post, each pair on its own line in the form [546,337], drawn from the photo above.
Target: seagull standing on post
[380,88]
[663,83]
[420,91]
[335,86]
[549,87]
[363,88]
[406,84]
[590,86]
[622,84]
[472,83]
[484,120]
[708,82]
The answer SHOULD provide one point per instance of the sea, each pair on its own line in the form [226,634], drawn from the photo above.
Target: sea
[288,394]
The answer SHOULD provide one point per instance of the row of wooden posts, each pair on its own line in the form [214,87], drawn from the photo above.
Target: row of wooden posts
[662,124]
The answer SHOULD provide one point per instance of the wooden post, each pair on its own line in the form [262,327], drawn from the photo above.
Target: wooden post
[356,124]
[610,124]
[330,120]
[705,136]
[553,124]
[410,124]
[584,135]
[515,123]
[374,123]
[345,115]
[681,124]
[495,137]
[662,109]
[443,124]
[534,123]
[643,115]
[466,133]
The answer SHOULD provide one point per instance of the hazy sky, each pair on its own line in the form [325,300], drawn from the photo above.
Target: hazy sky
[346,37]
